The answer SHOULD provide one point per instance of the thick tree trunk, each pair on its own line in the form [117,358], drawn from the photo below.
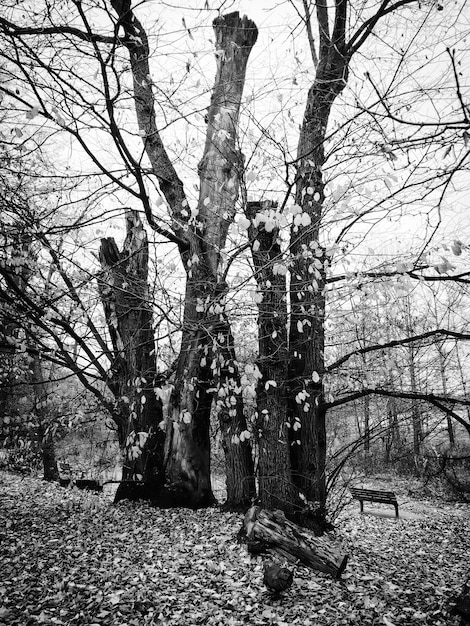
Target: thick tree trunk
[189,450]
[276,488]
[270,530]
[309,263]
[200,235]
[124,293]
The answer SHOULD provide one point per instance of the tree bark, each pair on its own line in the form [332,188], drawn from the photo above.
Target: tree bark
[124,294]
[442,367]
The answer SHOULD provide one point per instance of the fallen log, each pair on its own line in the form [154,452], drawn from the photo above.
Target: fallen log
[272,531]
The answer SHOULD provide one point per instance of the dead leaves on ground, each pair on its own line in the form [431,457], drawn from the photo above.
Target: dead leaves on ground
[70,557]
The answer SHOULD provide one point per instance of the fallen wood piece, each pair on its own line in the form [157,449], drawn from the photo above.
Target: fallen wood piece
[276,578]
[461,605]
[273,530]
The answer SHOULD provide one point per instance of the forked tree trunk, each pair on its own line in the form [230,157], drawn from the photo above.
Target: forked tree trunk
[125,297]
[200,236]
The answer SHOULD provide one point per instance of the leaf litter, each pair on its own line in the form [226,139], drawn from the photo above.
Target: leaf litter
[72,558]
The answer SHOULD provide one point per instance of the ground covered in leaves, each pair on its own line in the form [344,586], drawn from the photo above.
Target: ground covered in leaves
[69,557]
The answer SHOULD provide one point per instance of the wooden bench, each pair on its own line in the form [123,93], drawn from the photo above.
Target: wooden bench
[66,478]
[373,495]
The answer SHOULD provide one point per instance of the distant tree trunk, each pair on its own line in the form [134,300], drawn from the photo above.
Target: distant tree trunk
[7,356]
[415,411]
[45,429]
[124,294]
[442,364]
[393,431]
[367,424]
[463,378]
[276,487]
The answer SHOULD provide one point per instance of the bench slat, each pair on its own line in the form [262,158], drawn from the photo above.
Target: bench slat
[370,493]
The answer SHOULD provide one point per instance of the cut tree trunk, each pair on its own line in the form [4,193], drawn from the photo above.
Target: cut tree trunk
[190,404]
[271,531]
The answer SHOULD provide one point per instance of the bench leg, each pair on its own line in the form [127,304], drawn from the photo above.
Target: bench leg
[396,510]
[361,502]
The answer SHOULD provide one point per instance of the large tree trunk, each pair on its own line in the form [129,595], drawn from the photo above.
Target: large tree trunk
[276,488]
[189,453]
[200,236]
[309,263]
[125,297]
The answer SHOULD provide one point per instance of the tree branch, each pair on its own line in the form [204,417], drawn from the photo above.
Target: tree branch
[323,28]
[405,395]
[367,27]
[136,42]
[398,342]
[13,30]
[311,40]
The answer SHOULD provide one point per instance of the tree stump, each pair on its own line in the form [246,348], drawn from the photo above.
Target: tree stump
[272,531]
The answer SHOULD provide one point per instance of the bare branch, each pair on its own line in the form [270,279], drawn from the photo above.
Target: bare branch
[13,30]
[367,27]
[136,42]
[405,395]
[311,40]
[398,342]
